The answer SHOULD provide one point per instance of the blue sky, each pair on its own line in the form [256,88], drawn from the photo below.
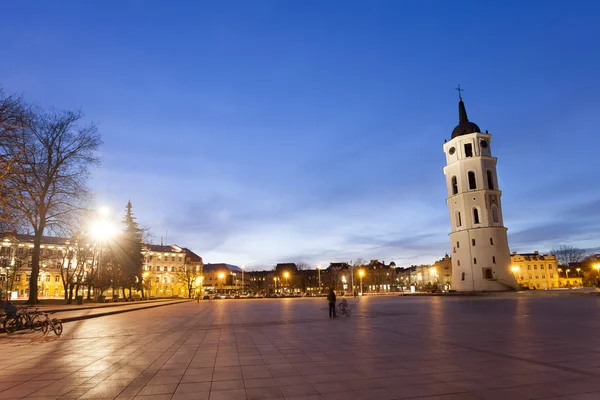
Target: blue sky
[258,132]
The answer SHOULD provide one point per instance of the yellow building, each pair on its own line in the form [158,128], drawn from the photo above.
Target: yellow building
[171,270]
[168,270]
[541,271]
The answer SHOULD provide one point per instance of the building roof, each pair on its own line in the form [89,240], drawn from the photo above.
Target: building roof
[216,267]
[193,257]
[46,240]
[464,126]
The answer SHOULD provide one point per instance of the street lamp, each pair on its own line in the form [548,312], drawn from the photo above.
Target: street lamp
[514,270]
[319,273]
[577,269]
[221,277]
[567,273]
[102,229]
[243,282]
[361,273]
[275,281]
[286,275]
[597,268]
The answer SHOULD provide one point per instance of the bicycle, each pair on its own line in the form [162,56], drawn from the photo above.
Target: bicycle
[340,310]
[24,318]
[54,324]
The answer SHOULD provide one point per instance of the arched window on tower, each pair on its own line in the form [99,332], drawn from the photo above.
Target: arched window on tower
[454,185]
[475,216]
[490,180]
[495,217]
[472,180]
[462,277]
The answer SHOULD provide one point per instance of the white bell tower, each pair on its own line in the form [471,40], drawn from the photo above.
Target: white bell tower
[480,253]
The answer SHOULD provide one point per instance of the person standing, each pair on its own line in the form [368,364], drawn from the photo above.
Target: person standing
[331,300]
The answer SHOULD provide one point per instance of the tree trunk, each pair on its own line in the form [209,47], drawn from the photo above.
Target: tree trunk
[89,295]
[70,298]
[35,267]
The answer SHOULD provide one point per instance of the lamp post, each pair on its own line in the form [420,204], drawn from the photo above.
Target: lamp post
[361,273]
[102,229]
[597,268]
[514,270]
[221,276]
[319,274]
[578,269]
[243,281]
[286,275]
[567,273]
[275,282]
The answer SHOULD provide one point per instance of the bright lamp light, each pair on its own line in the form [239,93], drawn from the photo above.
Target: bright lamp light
[103,230]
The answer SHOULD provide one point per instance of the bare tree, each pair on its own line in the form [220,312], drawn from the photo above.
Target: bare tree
[188,275]
[304,275]
[50,159]
[13,118]
[566,254]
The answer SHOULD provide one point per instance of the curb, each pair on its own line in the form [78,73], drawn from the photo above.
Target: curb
[84,317]
[98,315]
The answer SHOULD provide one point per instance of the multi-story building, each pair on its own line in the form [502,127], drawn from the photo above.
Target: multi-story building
[541,271]
[167,271]
[171,271]
[223,278]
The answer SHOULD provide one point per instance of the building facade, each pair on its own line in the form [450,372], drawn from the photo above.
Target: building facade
[541,271]
[171,271]
[480,253]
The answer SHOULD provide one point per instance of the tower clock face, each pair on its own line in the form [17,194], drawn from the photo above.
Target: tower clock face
[484,144]
[451,151]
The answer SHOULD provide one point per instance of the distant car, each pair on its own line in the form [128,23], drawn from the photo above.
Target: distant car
[206,297]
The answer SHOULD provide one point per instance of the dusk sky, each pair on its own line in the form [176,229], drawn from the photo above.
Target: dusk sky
[258,132]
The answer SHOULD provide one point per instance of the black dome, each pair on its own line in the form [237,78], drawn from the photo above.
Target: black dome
[464,129]
[464,126]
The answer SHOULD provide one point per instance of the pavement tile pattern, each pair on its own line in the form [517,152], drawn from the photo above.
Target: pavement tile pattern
[426,348]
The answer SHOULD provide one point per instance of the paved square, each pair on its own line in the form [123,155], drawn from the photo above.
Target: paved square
[391,348]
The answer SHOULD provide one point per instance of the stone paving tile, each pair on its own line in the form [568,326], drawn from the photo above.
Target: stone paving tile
[391,347]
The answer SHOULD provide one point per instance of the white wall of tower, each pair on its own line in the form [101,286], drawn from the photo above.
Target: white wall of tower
[480,252]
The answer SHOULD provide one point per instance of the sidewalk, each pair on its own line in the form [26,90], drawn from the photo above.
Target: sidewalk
[70,312]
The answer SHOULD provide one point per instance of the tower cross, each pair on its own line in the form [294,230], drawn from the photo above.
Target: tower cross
[459,92]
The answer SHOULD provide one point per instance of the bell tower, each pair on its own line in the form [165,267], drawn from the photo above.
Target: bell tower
[480,253]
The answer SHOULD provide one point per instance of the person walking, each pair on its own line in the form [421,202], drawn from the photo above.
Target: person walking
[331,300]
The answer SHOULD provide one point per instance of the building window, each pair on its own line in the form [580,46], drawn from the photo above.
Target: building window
[458,263]
[454,185]
[57,278]
[472,180]
[468,150]
[489,274]
[491,241]
[458,219]
[529,267]
[458,245]
[549,266]
[543,276]
[474,261]
[173,258]
[494,259]
[551,275]
[462,277]
[47,278]
[172,269]
[475,216]
[166,269]
[535,267]
[490,180]
[473,242]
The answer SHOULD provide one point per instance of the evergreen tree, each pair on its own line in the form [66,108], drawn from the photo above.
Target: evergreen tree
[131,257]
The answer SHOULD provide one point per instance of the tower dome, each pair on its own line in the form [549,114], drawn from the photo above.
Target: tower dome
[464,126]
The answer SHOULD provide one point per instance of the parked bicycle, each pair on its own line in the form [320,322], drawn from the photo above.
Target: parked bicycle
[23,319]
[53,324]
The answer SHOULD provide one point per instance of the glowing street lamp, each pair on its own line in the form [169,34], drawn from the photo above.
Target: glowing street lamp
[361,273]
[275,281]
[514,270]
[286,275]
[243,282]
[597,268]
[221,277]
[567,273]
[577,269]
